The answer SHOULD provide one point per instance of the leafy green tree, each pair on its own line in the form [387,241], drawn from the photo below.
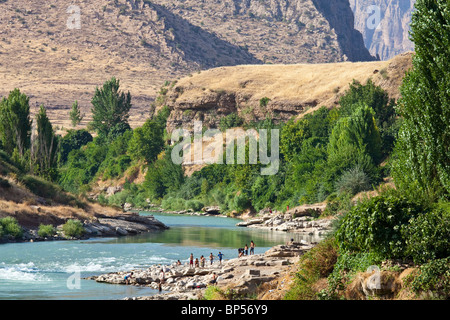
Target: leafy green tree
[163,176]
[370,94]
[73,140]
[82,166]
[162,116]
[110,108]
[316,125]
[15,123]
[45,147]
[291,139]
[355,134]
[117,160]
[423,147]
[75,114]
[147,141]
[377,99]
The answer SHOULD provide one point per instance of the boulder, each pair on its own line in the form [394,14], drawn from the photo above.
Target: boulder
[211,210]
[113,190]
[127,206]
[121,231]
[252,272]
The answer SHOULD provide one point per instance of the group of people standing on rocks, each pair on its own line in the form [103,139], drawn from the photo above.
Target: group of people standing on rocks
[201,263]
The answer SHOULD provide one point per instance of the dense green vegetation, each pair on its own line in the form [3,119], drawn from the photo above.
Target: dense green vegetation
[73,228]
[411,222]
[10,227]
[328,155]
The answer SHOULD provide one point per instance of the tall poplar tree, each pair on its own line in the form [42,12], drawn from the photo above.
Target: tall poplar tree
[423,147]
[15,123]
[45,146]
[75,114]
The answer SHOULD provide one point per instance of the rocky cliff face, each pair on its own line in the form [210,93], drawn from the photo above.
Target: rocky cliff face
[280,31]
[390,36]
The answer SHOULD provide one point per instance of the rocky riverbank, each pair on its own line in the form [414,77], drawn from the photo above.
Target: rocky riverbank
[243,275]
[206,211]
[126,224]
[302,219]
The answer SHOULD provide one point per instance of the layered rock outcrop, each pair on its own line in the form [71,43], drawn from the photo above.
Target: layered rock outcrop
[286,90]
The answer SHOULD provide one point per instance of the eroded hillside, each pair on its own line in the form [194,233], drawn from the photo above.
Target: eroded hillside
[54,60]
[278,91]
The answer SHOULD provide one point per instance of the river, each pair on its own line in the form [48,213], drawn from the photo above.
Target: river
[53,270]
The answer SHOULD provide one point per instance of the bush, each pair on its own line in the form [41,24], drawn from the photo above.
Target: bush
[194,205]
[376,225]
[263,102]
[46,230]
[214,293]
[347,265]
[9,226]
[241,202]
[230,121]
[340,204]
[171,203]
[428,236]
[432,277]
[73,228]
[353,181]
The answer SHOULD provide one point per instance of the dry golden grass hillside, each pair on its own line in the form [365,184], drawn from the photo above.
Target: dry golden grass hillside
[292,89]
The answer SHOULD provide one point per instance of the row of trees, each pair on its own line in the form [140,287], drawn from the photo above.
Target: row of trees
[34,146]
[31,144]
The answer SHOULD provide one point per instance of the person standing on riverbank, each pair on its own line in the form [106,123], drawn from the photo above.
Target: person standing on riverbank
[161,276]
[191,261]
[246,250]
[252,247]
[211,258]
[220,255]
[202,261]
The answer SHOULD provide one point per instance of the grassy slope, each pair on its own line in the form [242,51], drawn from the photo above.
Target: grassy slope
[33,201]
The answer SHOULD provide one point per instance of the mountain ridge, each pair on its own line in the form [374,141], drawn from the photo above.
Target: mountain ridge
[145,43]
